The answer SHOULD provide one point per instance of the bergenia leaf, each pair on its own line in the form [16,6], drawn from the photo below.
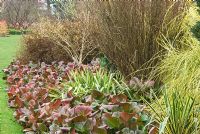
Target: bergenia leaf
[112,122]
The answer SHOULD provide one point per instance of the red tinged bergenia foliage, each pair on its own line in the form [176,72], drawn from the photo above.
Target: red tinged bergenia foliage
[96,113]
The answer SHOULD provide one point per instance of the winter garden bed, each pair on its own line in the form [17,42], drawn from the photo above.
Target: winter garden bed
[50,99]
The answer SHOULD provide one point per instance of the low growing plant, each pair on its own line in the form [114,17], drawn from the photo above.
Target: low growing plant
[97,112]
[141,89]
[84,81]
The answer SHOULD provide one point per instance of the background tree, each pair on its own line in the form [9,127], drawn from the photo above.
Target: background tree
[20,11]
[64,9]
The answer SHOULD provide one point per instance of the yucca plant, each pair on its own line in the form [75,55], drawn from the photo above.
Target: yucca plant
[177,114]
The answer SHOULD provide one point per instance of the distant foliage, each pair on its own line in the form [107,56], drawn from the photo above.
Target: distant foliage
[3,28]
[64,9]
[196,30]
[198,3]
[18,32]
[20,11]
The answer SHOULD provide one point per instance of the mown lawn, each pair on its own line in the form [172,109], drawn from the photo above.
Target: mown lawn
[8,47]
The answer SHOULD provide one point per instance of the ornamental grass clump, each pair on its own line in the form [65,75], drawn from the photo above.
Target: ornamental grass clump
[180,69]
[128,36]
[178,111]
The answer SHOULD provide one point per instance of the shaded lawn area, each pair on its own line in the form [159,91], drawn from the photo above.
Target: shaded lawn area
[8,47]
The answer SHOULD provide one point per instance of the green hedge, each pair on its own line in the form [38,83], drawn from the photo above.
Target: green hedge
[17,32]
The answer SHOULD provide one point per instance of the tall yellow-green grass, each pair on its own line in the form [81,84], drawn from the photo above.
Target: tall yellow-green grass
[180,66]
[177,112]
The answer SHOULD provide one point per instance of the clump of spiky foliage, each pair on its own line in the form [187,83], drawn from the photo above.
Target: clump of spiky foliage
[177,114]
[84,81]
